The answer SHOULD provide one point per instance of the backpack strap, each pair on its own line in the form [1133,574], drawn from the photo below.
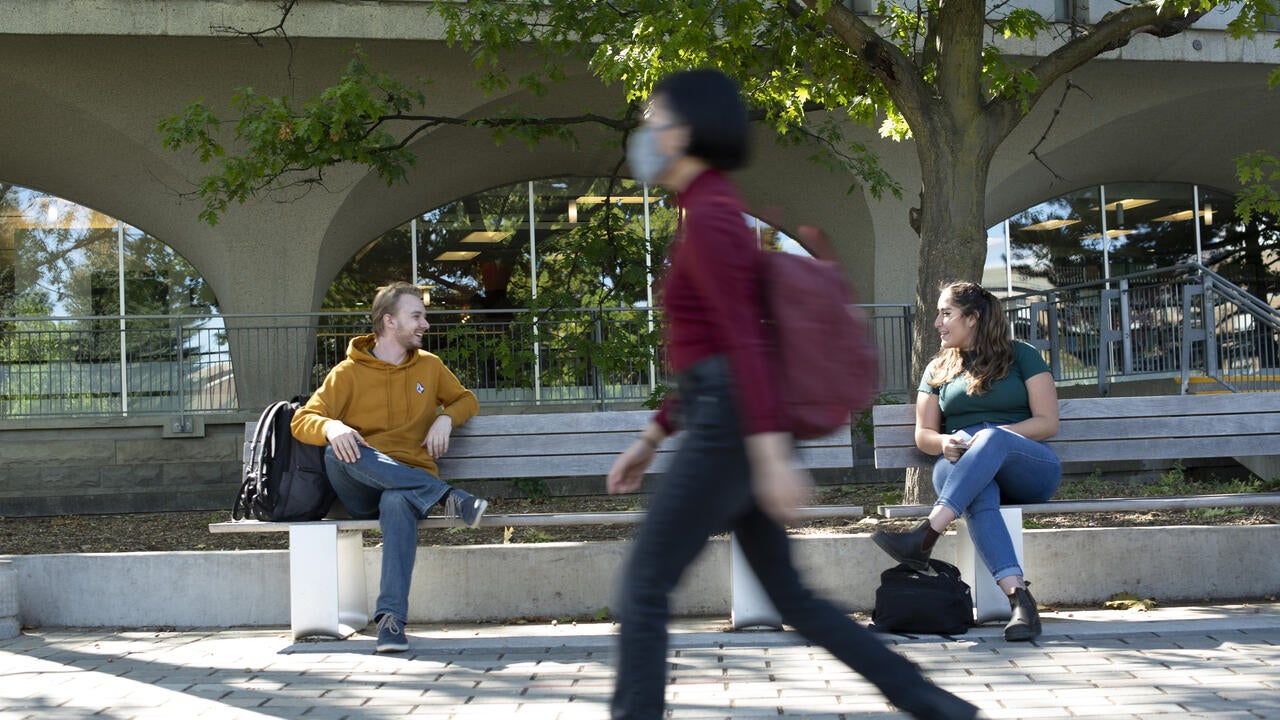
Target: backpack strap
[254,471]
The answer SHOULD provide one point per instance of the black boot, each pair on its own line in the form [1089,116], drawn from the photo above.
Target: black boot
[1025,623]
[911,548]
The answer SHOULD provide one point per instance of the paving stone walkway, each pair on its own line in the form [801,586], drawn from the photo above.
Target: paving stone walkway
[1200,662]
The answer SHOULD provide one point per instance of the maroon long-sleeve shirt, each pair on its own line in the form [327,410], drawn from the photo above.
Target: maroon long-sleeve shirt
[712,297]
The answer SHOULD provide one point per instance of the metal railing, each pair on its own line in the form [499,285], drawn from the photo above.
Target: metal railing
[198,364]
[1183,322]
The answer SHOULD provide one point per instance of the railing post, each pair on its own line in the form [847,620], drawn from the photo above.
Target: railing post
[1106,336]
[1055,339]
[1209,318]
[1189,335]
[182,381]
[597,336]
[1126,330]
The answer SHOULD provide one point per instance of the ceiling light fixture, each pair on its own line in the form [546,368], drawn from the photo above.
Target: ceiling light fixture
[1185,215]
[1175,217]
[624,199]
[487,236]
[457,255]
[1050,224]
[1110,233]
[1127,203]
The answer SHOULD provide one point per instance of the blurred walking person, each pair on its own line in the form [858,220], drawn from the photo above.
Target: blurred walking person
[734,469]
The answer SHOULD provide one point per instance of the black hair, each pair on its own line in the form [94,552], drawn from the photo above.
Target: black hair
[709,102]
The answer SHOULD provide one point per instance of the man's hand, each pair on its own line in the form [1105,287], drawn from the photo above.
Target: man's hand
[345,440]
[437,440]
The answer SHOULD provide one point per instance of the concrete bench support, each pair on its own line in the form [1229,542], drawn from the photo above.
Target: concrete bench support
[9,625]
[989,602]
[751,607]
[326,580]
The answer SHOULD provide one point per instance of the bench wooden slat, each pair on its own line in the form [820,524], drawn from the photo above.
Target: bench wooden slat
[1181,502]
[1080,451]
[517,465]
[1103,429]
[618,517]
[1164,405]
[464,444]
[546,466]
[583,423]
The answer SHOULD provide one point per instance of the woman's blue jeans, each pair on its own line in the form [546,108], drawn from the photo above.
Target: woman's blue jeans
[999,467]
[377,486]
[705,492]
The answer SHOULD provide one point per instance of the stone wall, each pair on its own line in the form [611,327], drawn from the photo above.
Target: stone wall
[108,465]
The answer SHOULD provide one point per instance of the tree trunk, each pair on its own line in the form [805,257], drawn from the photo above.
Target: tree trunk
[953,246]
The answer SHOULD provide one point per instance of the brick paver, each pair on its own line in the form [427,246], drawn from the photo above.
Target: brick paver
[1207,662]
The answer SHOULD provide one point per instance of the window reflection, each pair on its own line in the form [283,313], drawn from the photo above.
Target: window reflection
[61,259]
[587,239]
[1125,228]
[589,246]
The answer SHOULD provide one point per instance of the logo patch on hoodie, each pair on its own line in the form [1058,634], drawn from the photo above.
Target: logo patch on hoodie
[421,389]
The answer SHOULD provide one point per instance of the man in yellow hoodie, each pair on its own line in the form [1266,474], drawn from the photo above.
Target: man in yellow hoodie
[386,414]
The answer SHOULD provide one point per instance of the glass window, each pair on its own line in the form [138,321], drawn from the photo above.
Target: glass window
[1125,228]
[587,241]
[1056,243]
[86,308]
[61,259]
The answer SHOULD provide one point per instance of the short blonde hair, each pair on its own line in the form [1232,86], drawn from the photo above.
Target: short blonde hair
[384,303]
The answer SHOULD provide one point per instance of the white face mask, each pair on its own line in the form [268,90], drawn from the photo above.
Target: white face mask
[645,158]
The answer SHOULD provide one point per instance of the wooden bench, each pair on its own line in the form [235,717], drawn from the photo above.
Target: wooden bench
[1096,430]
[326,563]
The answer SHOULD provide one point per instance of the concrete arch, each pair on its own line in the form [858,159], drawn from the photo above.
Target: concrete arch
[1175,129]
[780,176]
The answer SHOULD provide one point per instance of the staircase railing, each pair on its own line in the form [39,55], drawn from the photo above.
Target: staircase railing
[1184,322]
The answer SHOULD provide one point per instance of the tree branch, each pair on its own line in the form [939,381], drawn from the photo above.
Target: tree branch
[1113,31]
[1035,149]
[285,7]
[896,71]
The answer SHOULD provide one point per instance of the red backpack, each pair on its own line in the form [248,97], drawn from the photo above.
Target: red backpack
[828,363]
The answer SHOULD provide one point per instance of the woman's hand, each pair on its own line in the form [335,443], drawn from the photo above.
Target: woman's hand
[779,485]
[954,446]
[627,472]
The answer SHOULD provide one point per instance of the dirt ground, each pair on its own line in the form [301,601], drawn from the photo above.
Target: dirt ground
[189,530]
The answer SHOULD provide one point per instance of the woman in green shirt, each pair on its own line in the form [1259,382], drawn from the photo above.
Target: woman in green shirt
[986,404]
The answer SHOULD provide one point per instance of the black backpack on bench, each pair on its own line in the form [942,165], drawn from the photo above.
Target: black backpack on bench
[284,479]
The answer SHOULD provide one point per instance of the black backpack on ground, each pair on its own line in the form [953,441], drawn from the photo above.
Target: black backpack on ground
[936,602]
[284,479]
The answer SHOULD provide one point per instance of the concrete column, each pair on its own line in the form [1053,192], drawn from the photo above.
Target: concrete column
[9,625]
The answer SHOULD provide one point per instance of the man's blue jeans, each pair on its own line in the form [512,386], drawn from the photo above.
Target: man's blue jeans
[707,491]
[999,467]
[377,486]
